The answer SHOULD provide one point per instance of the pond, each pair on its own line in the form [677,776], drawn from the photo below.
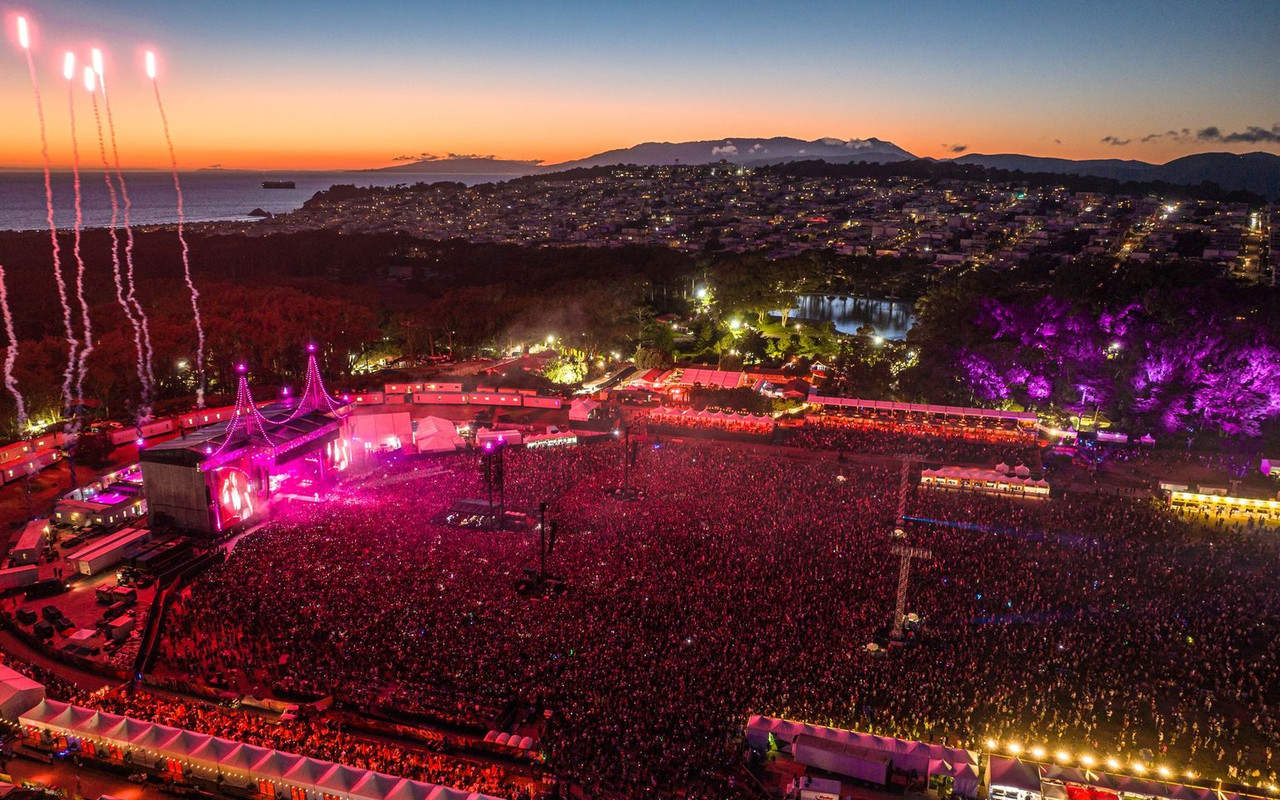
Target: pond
[890,318]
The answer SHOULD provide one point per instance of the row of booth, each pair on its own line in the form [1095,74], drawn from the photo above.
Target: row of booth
[1020,421]
[762,424]
[197,758]
[864,757]
[991,481]
[1208,503]
[1011,778]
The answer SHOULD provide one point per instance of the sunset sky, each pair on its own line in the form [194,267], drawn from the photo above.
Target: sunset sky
[328,85]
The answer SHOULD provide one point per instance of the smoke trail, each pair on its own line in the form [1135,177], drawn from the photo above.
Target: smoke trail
[86,349]
[131,296]
[115,239]
[182,238]
[11,354]
[72,344]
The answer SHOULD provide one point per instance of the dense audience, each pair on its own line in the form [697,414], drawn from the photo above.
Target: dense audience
[752,583]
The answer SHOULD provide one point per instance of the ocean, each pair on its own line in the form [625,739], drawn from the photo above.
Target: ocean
[208,195]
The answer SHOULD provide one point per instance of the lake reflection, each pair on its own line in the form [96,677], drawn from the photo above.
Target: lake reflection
[890,318]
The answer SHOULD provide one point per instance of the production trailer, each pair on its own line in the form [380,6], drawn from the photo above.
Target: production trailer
[17,577]
[32,543]
[107,552]
[157,428]
[841,758]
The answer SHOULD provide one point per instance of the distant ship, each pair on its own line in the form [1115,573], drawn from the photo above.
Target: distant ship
[279,185]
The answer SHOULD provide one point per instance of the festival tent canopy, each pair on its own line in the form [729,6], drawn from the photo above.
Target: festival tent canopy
[374,785]
[1013,773]
[214,750]
[308,771]
[155,737]
[339,780]
[237,763]
[417,790]
[72,718]
[100,724]
[275,765]
[42,713]
[242,759]
[18,693]
[185,744]
[126,731]
[723,379]
[965,776]
[436,435]
[582,408]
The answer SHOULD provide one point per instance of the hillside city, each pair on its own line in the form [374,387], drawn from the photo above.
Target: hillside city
[944,223]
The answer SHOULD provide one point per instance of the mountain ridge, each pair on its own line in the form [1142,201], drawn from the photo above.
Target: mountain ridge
[1257,172]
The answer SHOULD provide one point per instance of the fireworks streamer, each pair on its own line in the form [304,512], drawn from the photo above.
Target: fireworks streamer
[90,84]
[68,328]
[182,238]
[11,353]
[86,349]
[131,295]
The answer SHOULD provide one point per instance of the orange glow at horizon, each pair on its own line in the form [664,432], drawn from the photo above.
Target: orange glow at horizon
[250,109]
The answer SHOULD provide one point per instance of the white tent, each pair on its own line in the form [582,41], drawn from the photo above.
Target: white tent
[236,763]
[436,435]
[374,786]
[581,409]
[308,772]
[340,780]
[18,693]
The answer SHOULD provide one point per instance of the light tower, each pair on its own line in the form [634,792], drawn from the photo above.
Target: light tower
[315,396]
[906,554]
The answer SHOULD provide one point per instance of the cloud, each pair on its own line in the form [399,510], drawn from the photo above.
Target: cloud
[1115,141]
[959,148]
[418,157]
[857,144]
[729,149]
[1057,141]
[758,148]
[1172,135]
[1253,134]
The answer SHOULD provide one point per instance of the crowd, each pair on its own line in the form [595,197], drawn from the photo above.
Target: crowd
[749,583]
[933,442]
